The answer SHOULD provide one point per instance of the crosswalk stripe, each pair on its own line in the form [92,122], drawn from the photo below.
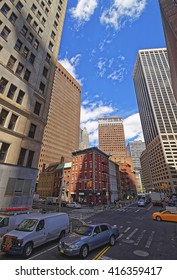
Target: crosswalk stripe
[148,243]
[131,234]
[140,237]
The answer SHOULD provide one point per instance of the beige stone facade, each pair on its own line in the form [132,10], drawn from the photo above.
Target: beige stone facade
[158,111]
[111,136]
[61,136]
[30,33]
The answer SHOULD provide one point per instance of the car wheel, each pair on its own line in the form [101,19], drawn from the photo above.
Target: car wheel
[62,234]
[28,250]
[158,219]
[112,240]
[84,251]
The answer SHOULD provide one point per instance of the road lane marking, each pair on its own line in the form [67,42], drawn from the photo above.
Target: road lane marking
[120,236]
[131,234]
[43,252]
[148,243]
[101,253]
[149,207]
[140,237]
[127,229]
[137,210]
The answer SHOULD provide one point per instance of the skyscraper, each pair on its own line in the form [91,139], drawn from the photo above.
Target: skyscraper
[169,18]
[111,136]
[61,136]
[84,139]
[30,33]
[158,111]
[135,149]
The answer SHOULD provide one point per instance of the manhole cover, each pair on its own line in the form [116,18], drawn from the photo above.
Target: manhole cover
[128,241]
[141,253]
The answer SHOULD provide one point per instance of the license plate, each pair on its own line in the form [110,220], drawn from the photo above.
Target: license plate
[62,251]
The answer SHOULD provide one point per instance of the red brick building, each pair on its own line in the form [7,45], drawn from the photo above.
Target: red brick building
[128,181]
[89,181]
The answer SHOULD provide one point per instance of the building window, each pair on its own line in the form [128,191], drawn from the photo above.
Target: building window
[48,57]
[5,32]
[37,108]
[19,69]
[51,46]
[19,6]
[30,38]
[3,151]
[47,11]
[18,45]
[32,130]
[55,24]
[42,87]
[12,122]
[3,84]
[13,18]
[30,159]
[27,75]
[36,44]
[40,32]
[39,15]
[20,97]
[5,9]
[11,62]
[43,21]
[35,25]
[3,116]
[53,35]
[45,72]
[33,8]
[25,52]
[21,158]
[11,91]
[24,30]
[32,58]
[29,18]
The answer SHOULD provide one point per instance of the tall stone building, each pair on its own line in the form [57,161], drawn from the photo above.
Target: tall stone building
[158,111]
[61,136]
[111,136]
[169,18]
[84,139]
[135,149]
[30,33]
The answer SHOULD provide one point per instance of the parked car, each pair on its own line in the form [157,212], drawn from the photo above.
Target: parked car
[166,215]
[141,202]
[88,237]
[73,205]
[35,231]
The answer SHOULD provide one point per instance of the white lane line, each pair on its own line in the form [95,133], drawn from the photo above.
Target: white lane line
[148,243]
[137,210]
[120,236]
[140,237]
[127,229]
[131,234]
[43,252]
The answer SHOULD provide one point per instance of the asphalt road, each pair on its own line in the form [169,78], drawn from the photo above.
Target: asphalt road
[140,238]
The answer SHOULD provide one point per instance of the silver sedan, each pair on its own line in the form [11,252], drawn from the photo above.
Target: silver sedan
[88,237]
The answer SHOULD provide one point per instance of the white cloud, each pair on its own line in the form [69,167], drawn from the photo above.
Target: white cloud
[118,75]
[132,127]
[84,10]
[71,64]
[121,12]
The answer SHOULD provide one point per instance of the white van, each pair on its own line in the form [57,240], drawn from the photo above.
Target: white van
[9,221]
[34,231]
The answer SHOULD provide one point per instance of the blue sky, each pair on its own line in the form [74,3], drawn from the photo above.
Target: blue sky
[99,46]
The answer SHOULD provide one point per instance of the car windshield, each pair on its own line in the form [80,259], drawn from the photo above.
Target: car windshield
[27,225]
[84,230]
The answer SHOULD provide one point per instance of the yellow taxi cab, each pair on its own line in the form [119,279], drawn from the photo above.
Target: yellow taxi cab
[165,215]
